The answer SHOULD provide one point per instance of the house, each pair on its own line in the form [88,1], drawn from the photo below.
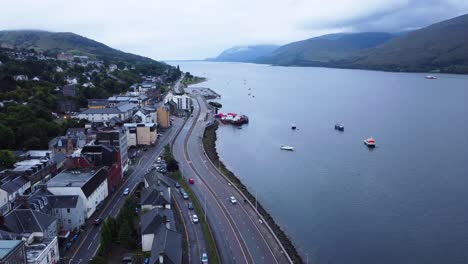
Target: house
[64,57]
[58,69]
[71,80]
[153,224]
[12,187]
[163,117]
[88,183]
[35,169]
[131,134]
[69,211]
[69,143]
[167,248]
[157,193]
[116,138]
[12,251]
[145,115]
[122,111]
[39,231]
[101,155]
[36,79]
[182,102]
[141,134]
[21,77]
[113,67]
[97,103]
[88,85]
[138,99]
[69,90]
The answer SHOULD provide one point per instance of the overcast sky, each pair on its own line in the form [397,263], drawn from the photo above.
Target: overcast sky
[197,29]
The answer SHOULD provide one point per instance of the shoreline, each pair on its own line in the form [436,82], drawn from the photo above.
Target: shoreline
[209,144]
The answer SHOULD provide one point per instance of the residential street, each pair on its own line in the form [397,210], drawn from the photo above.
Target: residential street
[89,239]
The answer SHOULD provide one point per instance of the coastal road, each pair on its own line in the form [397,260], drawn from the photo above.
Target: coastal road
[240,236]
[89,240]
[196,241]
[177,88]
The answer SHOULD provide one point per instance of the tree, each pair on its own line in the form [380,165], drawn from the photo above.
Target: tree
[7,159]
[106,238]
[125,232]
[7,137]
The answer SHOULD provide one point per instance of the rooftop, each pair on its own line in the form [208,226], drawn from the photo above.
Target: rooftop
[88,179]
[7,246]
[27,221]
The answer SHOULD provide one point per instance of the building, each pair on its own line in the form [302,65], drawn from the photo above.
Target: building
[167,248]
[131,134]
[64,57]
[36,169]
[12,187]
[74,139]
[101,155]
[39,231]
[145,115]
[69,211]
[152,225]
[12,251]
[117,139]
[122,111]
[97,103]
[141,134]
[113,67]
[182,102]
[157,193]
[163,117]
[88,183]
[135,98]
[21,77]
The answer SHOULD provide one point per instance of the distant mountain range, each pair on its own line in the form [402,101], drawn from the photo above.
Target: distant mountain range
[441,47]
[56,42]
[244,53]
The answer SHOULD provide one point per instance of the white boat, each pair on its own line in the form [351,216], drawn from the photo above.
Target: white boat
[285,147]
[430,77]
[370,142]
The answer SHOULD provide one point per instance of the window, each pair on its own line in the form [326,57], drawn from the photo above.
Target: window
[68,210]
[69,221]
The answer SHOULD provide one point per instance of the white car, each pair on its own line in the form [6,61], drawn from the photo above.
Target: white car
[233,199]
[126,191]
[194,218]
[204,258]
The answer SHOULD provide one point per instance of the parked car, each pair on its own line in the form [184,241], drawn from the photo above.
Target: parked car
[177,185]
[204,258]
[182,191]
[191,181]
[195,218]
[159,159]
[190,206]
[185,196]
[126,191]
[233,200]
[98,221]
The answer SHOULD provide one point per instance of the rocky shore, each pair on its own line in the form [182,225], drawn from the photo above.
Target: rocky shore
[209,143]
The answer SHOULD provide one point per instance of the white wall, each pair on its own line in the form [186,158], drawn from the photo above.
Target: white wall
[147,242]
[4,205]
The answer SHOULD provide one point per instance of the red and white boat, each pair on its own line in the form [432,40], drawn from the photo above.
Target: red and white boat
[370,142]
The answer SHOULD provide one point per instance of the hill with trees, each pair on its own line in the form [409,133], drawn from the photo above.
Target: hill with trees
[244,53]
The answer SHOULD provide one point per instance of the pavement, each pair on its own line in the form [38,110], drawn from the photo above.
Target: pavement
[177,86]
[239,235]
[88,242]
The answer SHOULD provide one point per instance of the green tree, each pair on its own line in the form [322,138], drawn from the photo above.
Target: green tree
[7,159]
[125,232]
[7,137]
[106,238]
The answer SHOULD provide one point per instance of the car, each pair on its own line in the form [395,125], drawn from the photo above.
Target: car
[191,181]
[145,149]
[204,258]
[185,196]
[97,221]
[233,199]
[195,218]
[182,191]
[177,185]
[190,206]
[159,159]
[126,191]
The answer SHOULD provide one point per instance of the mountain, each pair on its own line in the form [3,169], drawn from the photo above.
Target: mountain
[440,47]
[324,49]
[244,53]
[56,42]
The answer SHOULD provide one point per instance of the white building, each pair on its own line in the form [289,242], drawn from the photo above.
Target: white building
[88,183]
[122,111]
[183,102]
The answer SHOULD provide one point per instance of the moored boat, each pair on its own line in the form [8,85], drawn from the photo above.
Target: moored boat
[370,142]
[293,126]
[286,147]
[430,77]
[339,127]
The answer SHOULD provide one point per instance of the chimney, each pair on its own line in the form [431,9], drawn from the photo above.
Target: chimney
[167,222]
[161,258]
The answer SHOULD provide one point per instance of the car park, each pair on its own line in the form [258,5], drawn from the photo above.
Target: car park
[194,218]
[233,199]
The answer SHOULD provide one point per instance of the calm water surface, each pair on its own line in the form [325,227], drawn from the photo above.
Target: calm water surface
[406,201]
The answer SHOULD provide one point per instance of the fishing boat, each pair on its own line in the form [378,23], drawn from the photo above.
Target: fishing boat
[293,126]
[286,147]
[370,142]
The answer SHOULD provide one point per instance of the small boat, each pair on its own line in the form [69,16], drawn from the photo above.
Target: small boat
[285,147]
[370,142]
[430,77]
[339,127]
[293,127]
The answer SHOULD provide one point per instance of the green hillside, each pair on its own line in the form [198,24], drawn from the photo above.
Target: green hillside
[56,42]
[324,49]
[440,47]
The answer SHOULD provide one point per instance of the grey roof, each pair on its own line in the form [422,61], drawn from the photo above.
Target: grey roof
[169,244]
[14,185]
[8,246]
[124,107]
[110,110]
[63,201]
[153,196]
[153,221]
[88,179]
[59,157]
[98,102]
[27,221]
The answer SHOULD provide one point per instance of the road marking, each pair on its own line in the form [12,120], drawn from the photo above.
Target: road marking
[90,244]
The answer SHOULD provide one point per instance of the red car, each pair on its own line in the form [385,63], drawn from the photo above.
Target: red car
[191,181]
